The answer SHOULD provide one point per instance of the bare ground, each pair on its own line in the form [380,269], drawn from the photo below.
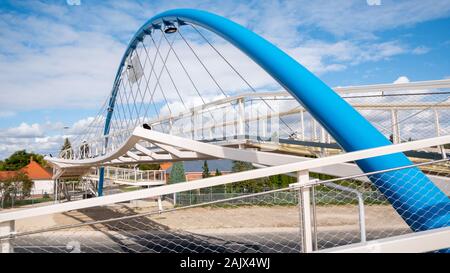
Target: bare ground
[218,219]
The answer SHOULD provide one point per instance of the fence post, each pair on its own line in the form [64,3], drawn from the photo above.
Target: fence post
[305,208]
[314,217]
[6,229]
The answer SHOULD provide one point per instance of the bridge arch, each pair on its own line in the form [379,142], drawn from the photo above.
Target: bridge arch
[421,204]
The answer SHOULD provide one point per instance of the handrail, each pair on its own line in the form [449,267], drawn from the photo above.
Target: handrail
[419,85]
[423,241]
[225,179]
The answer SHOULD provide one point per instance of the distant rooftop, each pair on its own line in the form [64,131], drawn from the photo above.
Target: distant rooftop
[33,170]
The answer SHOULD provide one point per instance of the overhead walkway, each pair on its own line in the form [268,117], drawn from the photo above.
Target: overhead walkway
[132,177]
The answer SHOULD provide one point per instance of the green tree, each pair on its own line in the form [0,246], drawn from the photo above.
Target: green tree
[205,169]
[218,173]
[147,167]
[253,185]
[66,149]
[240,166]
[16,187]
[177,174]
[20,159]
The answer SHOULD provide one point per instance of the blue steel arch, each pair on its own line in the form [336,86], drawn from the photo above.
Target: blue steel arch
[421,204]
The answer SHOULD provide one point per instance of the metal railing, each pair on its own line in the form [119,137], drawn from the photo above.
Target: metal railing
[297,202]
[133,176]
[421,102]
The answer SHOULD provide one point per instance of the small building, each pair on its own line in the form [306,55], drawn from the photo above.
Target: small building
[41,177]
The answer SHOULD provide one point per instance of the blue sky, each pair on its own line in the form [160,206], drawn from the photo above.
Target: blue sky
[58,60]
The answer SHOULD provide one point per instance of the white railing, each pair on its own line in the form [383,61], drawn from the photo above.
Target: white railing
[424,241]
[228,179]
[186,123]
[132,175]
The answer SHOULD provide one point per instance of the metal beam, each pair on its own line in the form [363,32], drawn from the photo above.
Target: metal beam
[424,241]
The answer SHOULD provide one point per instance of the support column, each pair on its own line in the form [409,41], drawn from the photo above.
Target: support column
[305,208]
[101,178]
[6,229]
[56,191]
[160,207]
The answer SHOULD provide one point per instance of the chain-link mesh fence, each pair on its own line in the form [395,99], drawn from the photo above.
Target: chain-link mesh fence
[344,211]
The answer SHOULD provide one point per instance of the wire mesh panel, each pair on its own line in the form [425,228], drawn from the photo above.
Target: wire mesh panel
[352,210]
[344,211]
[266,222]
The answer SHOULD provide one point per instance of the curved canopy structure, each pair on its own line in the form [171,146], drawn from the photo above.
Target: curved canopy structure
[421,204]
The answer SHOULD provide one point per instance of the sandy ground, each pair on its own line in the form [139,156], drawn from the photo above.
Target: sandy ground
[217,219]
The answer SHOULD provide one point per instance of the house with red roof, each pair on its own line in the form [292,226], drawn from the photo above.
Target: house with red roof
[41,177]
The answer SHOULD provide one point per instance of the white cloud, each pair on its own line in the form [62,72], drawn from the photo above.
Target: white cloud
[402,79]
[321,57]
[44,138]
[354,17]
[24,130]
[69,63]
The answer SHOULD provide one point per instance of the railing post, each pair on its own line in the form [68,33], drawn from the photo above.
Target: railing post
[322,140]
[264,124]
[302,123]
[362,218]
[6,229]
[193,125]
[224,125]
[305,208]
[241,117]
[395,127]
[438,132]
[314,129]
